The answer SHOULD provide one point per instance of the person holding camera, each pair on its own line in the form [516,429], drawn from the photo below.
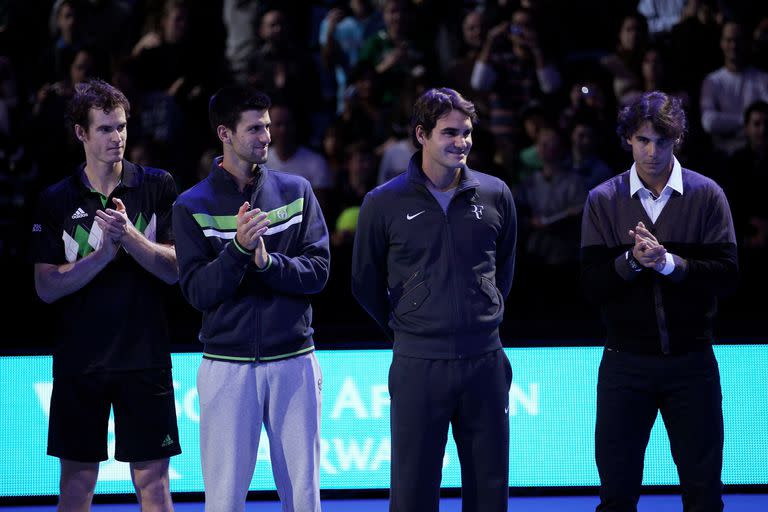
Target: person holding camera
[512,69]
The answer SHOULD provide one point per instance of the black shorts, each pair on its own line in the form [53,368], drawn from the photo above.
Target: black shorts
[145,416]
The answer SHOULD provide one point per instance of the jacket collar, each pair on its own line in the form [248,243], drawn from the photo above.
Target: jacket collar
[415,174]
[221,175]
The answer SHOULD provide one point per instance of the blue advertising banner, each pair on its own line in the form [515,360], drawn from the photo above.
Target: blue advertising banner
[552,417]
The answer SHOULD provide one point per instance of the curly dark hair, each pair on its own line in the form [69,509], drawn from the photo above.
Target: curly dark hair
[663,111]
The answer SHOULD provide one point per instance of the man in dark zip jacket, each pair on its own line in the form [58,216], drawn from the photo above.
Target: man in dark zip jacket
[433,262]
[658,247]
[252,245]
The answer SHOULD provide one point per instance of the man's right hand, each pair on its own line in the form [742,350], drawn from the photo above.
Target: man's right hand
[647,249]
[251,224]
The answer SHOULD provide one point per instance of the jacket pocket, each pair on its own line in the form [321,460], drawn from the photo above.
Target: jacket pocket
[412,299]
[486,303]
[490,291]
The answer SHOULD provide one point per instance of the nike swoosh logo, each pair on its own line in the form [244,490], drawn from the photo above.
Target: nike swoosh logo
[411,217]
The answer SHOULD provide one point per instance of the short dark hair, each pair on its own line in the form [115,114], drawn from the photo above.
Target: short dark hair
[756,106]
[663,111]
[229,102]
[436,103]
[98,94]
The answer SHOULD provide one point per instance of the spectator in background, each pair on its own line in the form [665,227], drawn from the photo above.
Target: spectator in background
[458,74]
[393,53]
[584,159]
[660,15]
[534,119]
[172,78]
[746,181]
[67,37]
[288,154]
[658,76]
[760,44]
[359,179]
[726,93]
[513,70]
[551,200]
[365,116]
[109,25]
[398,149]
[342,34]
[240,19]
[283,67]
[624,64]
[588,96]
[698,28]
[53,145]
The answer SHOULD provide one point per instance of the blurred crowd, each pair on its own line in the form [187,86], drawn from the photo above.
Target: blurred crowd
[547,77]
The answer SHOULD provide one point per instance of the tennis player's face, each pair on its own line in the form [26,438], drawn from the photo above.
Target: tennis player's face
[251,138]
[448,145]
[104,139]
[652,152]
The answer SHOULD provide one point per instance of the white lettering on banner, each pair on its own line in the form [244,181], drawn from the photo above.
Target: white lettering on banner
[529,402]
[189,403]
[349,398]
[349,455]
[379,400]
[191,406]
[352,453]
[325,465]
[382,454]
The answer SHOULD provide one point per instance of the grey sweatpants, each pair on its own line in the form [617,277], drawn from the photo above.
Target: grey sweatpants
[235,400]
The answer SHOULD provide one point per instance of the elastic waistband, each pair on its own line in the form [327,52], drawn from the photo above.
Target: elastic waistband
[214,353]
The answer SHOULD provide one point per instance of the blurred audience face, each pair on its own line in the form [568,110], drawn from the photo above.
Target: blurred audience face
[756,130]
[630,34]
[473,29]
[549,146]
[360,8]
[82,67]
[520,29]
[732,44]
[394,18]
[272,27]
[66,18]
[582,139]
[361,166]
[283,127]
[175,24]
[532,123]
[653,67]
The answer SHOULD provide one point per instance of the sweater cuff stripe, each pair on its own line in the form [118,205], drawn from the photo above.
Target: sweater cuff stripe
[269,264]
[241,248]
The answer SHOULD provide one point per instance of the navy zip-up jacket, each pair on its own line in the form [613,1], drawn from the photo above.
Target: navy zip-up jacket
[251,314]
[434,281]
